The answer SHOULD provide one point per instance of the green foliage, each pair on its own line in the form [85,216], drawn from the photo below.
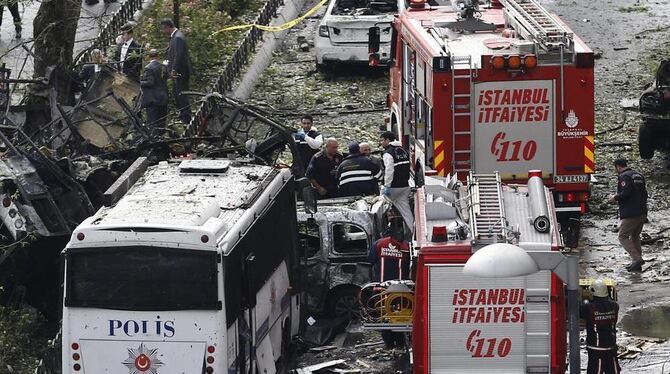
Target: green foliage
[199,20]
[21,340]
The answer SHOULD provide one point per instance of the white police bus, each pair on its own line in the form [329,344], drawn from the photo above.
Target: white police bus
[190,268]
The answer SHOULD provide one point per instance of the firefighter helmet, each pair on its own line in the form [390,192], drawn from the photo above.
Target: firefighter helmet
[599,288]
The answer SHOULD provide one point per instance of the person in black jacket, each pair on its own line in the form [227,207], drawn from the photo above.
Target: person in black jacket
[307,139]
[632,199]
[129,53]
[179,68]
[323,168]
[154,92]
[357,175]
[601,315]
[396,176]
[13,6]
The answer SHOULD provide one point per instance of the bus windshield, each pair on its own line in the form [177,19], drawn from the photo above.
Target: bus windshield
[141,278]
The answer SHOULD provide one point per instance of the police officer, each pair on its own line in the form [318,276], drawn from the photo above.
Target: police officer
[322,170]
[601,315]
[396,176]
[307,139]
[632,199]
[357,175]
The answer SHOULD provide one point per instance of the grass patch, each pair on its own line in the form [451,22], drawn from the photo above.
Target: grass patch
[634,9]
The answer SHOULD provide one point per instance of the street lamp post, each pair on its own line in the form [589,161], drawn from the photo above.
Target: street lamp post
[501,260]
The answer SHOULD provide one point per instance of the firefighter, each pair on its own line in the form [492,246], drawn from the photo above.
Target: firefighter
[323,168]
[601,315]
[357,175]
[396,176]
[389,257]
[307,139]
[632,199]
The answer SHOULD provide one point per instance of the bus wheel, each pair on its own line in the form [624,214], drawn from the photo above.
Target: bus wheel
[343,302]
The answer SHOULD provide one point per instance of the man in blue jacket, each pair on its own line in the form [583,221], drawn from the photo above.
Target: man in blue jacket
[357,175]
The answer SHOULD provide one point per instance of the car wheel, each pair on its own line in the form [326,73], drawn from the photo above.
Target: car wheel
[344,303]
[646,141]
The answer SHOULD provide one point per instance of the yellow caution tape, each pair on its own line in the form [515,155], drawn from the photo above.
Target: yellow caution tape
[277,28]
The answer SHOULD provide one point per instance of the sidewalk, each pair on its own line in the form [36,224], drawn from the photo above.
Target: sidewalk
[92,19]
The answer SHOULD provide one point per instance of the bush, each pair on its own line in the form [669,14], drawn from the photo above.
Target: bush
[199,20]
[21,339]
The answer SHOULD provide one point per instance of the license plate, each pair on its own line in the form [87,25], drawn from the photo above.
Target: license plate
[582,178]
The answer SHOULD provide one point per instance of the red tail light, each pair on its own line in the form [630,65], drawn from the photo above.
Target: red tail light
[570,197]
[75,346]
[211,349]
[534,173]
[582,208]
[439,234]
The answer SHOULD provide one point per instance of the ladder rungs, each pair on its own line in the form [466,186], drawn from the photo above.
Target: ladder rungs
[463,95]
[462,114]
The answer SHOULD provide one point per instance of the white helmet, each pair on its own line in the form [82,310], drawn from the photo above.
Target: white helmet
[599,288]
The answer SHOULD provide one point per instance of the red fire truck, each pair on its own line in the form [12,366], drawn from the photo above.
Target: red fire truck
[502,87]
[462,324]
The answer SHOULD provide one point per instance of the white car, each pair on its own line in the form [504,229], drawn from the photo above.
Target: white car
[343,31]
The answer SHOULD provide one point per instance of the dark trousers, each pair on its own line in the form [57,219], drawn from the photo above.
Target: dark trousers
[603,363]
[14,9]
[180,85]
[156,118]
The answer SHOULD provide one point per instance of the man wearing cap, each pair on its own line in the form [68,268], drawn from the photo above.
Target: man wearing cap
[601,315]
[129,53]
[179,68]
[154,92]
[357,175]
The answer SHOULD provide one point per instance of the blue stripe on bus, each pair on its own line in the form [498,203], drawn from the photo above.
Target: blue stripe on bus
[262,330]
[285,301]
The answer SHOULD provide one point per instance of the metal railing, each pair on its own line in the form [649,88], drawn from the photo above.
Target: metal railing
[237,61]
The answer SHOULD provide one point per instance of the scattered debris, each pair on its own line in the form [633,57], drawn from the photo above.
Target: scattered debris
[312,368]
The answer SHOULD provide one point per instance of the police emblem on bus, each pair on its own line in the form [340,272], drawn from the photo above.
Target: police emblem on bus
[572,120]
[142,360]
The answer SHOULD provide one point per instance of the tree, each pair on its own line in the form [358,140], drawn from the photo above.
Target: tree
[55,28]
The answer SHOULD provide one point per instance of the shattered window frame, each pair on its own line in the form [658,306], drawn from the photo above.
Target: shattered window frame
[334,247]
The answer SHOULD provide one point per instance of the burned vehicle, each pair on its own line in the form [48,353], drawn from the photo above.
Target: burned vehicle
[655,113]
[336,241]
[343,31]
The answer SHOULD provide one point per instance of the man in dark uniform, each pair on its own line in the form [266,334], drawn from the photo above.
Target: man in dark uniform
[13,6]
[179,68]
[129,53]
[322,169]
[396,176]
[601,315]
[154,93]
[357,175]
[632,199]
[307,139]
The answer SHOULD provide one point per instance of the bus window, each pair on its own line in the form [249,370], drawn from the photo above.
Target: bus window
[310,233]
[349,239]
[141,278]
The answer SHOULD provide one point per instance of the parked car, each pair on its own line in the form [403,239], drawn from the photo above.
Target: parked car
[336,240]
[343,31]
[655,112]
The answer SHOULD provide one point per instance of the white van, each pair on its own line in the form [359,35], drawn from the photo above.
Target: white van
[190,271]
[343,31]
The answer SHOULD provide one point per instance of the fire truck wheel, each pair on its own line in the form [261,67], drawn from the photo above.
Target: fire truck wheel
[343,302]
[646,141]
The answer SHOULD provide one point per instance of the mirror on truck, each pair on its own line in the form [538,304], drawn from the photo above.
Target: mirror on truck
[309,199]
[373,45]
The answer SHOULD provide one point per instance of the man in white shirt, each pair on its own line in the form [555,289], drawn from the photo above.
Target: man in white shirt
[129,54]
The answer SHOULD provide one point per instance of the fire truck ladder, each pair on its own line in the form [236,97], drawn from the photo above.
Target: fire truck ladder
[463,74]
[533,22]
[487,212]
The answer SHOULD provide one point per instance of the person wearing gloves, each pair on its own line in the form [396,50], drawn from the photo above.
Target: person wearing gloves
[396,176]
[307,139]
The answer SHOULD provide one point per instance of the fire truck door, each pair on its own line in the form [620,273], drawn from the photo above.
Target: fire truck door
[513,125]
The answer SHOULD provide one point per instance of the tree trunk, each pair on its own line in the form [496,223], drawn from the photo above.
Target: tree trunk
[55,27]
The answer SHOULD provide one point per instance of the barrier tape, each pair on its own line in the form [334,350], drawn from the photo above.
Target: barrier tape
[278,28]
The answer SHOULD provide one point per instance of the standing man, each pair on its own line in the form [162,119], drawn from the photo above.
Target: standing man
[154,93]
[396,176]
[307,139]
[13,6]
[601,315]
[129,53]
[366,149]
[322,169]
[179,68]
[632,199]
[357,175]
